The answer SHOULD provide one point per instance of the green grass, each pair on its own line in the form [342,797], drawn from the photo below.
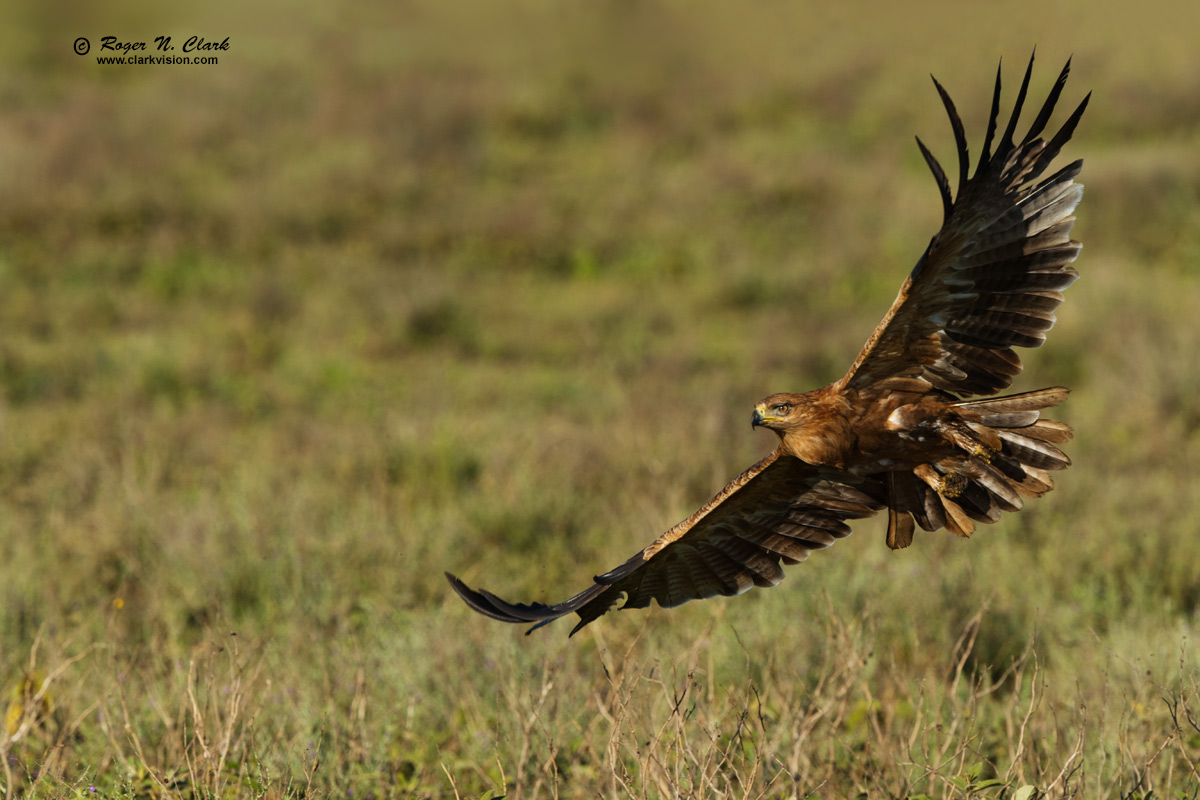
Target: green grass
[395,290]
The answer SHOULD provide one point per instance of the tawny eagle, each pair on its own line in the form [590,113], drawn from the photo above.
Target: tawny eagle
[897,432]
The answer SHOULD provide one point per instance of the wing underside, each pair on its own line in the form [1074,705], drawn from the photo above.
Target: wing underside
[774,514]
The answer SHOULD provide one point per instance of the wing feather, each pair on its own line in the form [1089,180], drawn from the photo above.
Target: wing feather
[992,277]
[774,513]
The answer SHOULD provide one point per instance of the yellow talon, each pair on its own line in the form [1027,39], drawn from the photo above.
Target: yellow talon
[983,453]
[951,485]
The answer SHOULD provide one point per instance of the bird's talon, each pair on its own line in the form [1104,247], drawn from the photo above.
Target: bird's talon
[951,486]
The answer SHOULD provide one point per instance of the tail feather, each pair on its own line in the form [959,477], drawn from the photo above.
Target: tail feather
[1003,492]
[1011,468]
[1032,451]
[978,503]
[1024,401]
[934,510]
[1014,452]
[957,521]
[928,510]
[1048,430]
[900,520]
[1037,482]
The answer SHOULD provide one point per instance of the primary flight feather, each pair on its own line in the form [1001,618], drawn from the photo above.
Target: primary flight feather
[896,432]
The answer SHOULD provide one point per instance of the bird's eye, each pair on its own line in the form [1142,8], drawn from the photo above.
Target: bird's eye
[782,409]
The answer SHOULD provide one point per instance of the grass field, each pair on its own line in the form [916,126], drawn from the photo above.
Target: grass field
[396,289]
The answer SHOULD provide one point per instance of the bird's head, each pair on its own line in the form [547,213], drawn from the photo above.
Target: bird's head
[780,412]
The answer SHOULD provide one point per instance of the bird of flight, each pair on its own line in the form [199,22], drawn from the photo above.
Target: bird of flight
[897,431]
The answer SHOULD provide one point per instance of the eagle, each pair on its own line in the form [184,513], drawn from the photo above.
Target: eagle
[899,431]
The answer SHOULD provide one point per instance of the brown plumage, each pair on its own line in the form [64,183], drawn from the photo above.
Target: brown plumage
[895,432]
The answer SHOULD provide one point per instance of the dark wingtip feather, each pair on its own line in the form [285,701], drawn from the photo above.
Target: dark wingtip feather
[547,622]
[939,175]
[492,606]
[585,604]
[960,135]
[1063,136]
[1039,124]
[476,600]
[1007,141]
[993,116]
[480,601]
[1068,128]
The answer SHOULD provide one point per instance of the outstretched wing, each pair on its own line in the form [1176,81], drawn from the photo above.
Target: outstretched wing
[993,275]
[777,511]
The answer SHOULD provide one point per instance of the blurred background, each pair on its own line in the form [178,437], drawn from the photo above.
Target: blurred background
[398,288]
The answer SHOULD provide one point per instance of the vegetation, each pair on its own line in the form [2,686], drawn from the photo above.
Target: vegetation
[394,289]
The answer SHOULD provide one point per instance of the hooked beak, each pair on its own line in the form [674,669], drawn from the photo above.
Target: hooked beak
[756,419]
